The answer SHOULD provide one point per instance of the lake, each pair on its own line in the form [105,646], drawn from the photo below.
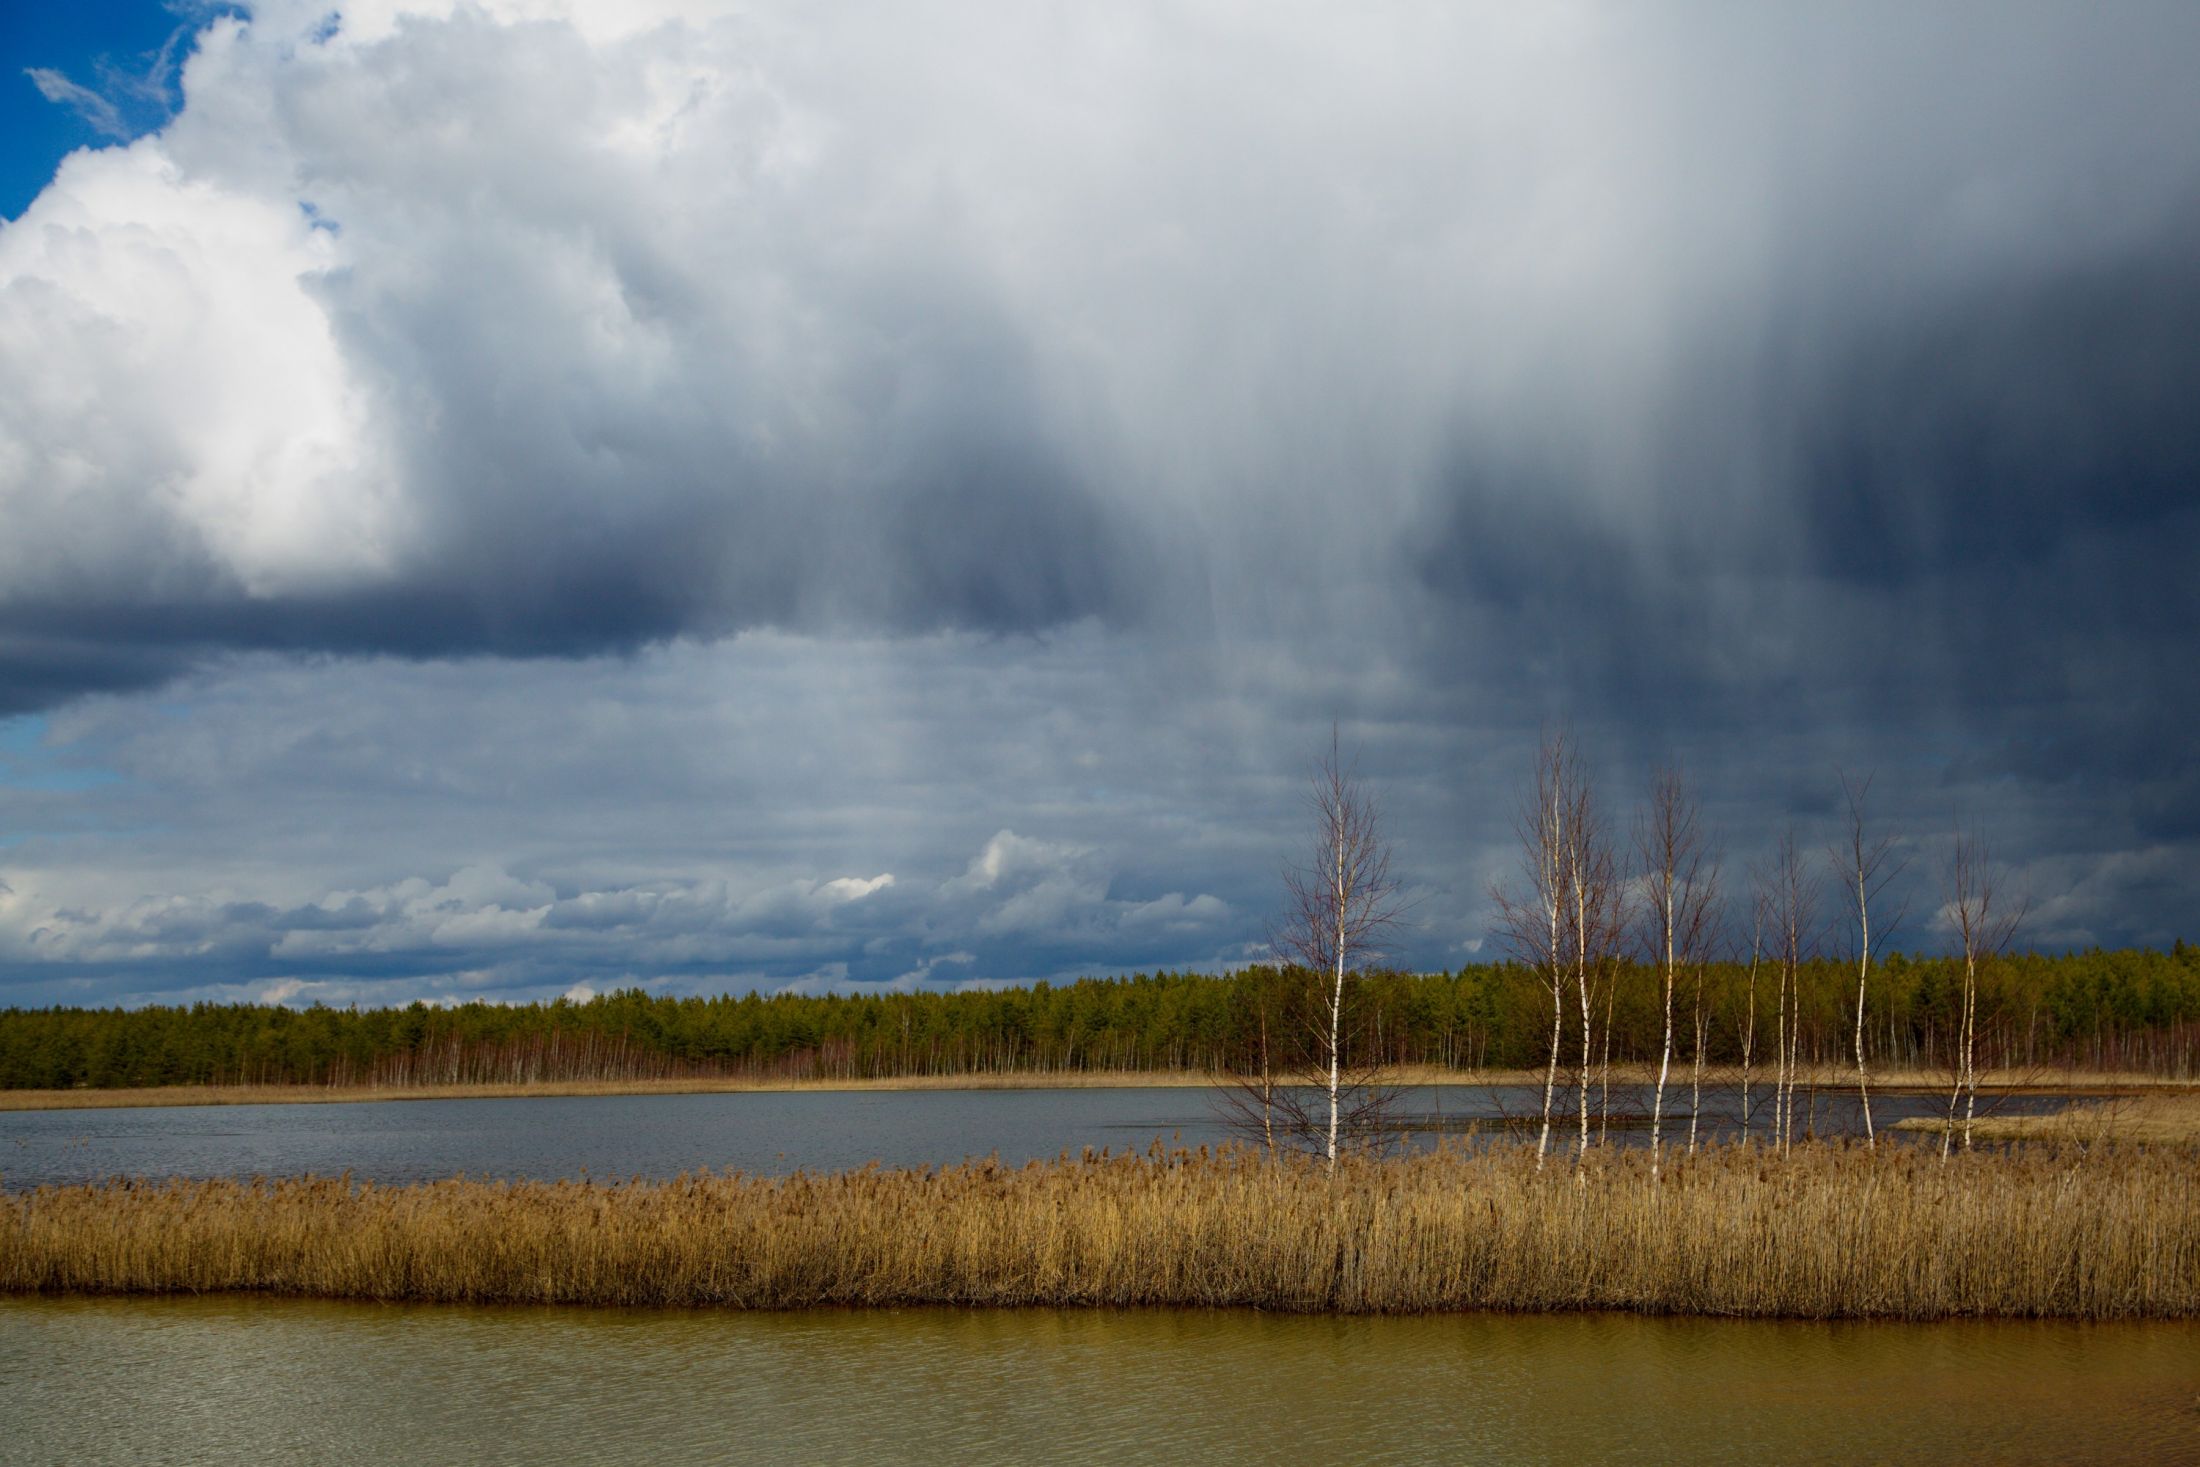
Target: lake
[244,1379]
[240,1378]
[660,1136]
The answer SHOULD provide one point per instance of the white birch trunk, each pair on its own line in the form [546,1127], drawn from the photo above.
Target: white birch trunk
[1779,1063]
[1558,1000]
[1749,1040]
[1336,1004]
[1665,1057]
[1795,1048]
[1581,980]
[1604,1063]
[1695,1083]
[1863,974]
[1550,1079]
[1970,1046]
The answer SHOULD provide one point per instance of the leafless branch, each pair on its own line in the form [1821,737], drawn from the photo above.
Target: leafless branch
[1341,907]
[1865,866]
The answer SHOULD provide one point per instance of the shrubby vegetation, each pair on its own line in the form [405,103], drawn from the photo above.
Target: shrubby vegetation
[2130,1010]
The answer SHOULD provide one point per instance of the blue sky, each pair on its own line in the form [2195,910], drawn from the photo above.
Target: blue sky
[92,43]
[533,496]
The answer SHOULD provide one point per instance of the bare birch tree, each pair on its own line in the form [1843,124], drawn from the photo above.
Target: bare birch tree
[1746,1036]
[1790,897]
[1531,920]
[1257,1100]
[1984,926]
[1604,1053]
[1339,908]
[1696,1054]
[1865,866]
[1680,883]
[1595,903]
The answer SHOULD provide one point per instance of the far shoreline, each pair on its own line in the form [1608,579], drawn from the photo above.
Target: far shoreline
[2085,1084]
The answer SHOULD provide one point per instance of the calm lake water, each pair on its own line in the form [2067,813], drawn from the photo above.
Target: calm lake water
[664,1135]
[241,1380]
[250,1379]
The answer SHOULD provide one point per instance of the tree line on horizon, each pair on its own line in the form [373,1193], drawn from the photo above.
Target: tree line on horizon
[2134,1010]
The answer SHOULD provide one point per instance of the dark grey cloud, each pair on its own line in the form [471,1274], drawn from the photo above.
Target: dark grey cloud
[2011,481]
[1946,529]
[627,473]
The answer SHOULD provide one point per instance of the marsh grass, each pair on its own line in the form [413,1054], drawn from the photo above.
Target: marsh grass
[1830,1231]
[2171,1119]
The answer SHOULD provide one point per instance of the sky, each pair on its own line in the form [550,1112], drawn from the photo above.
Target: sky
[545,496]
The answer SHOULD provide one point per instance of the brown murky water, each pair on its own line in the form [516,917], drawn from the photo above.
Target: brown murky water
[241,1379]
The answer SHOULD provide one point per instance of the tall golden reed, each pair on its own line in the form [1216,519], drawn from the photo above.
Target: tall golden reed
[1829,1232]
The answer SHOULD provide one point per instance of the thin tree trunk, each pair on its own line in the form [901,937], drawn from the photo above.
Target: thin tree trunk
[1604,1063]
[1336,1014]
[1267,1086]
[1536,922]
[1863,972]
[1682,891]
[1868,866]
[1550,1078]
[1665,1056]
[1749,1035]
[1970,1047]
[1553,833]
[1780,1066]
[1581,978]
[1695,1084]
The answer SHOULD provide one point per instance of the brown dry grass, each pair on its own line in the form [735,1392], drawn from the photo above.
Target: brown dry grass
[2172,1119]
[2059,1082]
[1829,1232]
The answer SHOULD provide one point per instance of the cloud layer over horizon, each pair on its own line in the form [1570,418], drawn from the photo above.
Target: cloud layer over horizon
[1011,440]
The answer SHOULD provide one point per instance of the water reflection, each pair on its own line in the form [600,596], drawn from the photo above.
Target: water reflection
[252,1379]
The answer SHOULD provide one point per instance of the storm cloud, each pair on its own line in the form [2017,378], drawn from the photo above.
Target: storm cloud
[1066,416]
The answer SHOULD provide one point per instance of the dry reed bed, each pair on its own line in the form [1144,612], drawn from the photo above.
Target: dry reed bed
[1829,1232]
[2158,1118]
